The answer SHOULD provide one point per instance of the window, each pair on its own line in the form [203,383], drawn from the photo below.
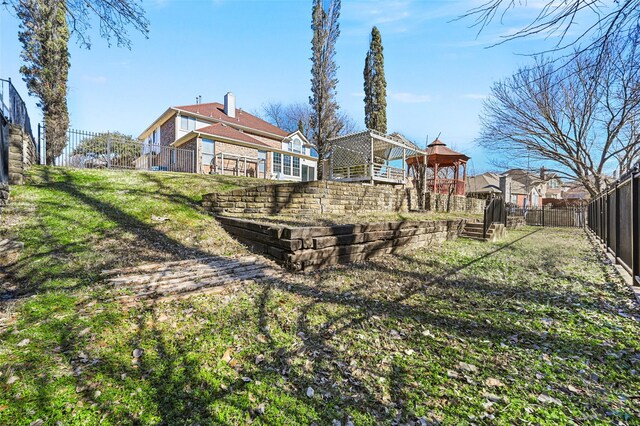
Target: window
[207,151]
[262,160]
[287,164]
[296,146]
[187,123]
[296,166]
[277,162]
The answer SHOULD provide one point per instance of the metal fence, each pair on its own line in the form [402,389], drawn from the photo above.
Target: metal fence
[12,111]
[566,217]
[613,218]
[89,150]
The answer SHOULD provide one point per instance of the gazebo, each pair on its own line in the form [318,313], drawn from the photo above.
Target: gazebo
[445,167]
[370,156]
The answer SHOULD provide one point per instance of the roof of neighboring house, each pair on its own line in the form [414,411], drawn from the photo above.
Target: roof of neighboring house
[216,110]
[521,176]
[490,182]
[227,132]
[484,183]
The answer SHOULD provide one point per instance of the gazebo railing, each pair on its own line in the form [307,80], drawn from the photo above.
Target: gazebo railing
[446,186]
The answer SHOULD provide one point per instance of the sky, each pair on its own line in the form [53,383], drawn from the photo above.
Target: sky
[438,69]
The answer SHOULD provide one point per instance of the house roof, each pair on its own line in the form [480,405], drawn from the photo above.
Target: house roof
[484,183]
[215,110]
[490,182]
[224,131]
[521,176]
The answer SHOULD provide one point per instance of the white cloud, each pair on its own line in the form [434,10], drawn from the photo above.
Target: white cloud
[409,98]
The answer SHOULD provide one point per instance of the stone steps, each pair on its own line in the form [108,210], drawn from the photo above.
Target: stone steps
[189,277]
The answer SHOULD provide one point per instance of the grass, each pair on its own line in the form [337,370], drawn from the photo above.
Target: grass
[531,330]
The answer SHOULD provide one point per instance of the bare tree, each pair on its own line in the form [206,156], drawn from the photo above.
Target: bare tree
[326,29]
[297,116]
[615,20]
[582,116]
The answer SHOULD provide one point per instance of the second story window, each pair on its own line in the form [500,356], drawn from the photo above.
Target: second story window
[187,123]
[296,146]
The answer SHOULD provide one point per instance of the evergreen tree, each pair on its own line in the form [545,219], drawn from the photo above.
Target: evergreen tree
[323,121]
[44,36]
[375,85]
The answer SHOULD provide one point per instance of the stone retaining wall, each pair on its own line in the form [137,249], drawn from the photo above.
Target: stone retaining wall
[319,197]
[315,197]
[515,222]
[4,195]
[22,154]
[454,203]
[310,248]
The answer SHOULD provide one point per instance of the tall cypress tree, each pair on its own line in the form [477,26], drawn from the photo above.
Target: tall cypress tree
[323,121]
[375,85]
[45,36]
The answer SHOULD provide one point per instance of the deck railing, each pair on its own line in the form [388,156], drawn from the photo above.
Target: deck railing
[363,171]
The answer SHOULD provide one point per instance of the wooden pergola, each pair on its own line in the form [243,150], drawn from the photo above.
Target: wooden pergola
[448,168]
[370,156]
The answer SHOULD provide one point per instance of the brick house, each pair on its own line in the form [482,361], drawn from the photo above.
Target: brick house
[228,140]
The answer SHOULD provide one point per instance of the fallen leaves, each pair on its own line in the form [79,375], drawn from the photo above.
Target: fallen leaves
[546,399]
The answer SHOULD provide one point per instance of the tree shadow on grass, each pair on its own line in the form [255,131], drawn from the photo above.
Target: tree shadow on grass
[182,389]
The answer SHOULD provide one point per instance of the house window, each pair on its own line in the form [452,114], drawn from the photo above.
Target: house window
[187,123]
[296,146]
[207,151]
[262,161]
[287,164]
[296,166]
[277,162]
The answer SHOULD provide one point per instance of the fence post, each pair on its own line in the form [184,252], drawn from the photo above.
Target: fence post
[108,150]
[635,223]
[543,216]
[616,223]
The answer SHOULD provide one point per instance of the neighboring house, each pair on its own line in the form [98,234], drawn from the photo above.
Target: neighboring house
[484,186]
[575,190]
[488,185]
[228,140]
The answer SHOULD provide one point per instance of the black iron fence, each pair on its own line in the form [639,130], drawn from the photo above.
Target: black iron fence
[12,111]
[613,218]
[568,217]
[89,150]
[495,212]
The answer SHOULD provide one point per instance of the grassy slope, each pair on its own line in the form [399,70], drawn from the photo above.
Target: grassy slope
[376,342]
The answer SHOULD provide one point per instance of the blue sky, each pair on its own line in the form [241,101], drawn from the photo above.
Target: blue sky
[437,71]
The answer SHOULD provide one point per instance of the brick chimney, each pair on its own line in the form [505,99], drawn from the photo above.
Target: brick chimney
[543,173]
[230,105]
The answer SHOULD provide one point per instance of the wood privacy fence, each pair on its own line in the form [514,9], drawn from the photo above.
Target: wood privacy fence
[89,150]
[613,218]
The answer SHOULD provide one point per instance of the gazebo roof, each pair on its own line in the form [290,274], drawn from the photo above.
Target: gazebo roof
[438,152]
